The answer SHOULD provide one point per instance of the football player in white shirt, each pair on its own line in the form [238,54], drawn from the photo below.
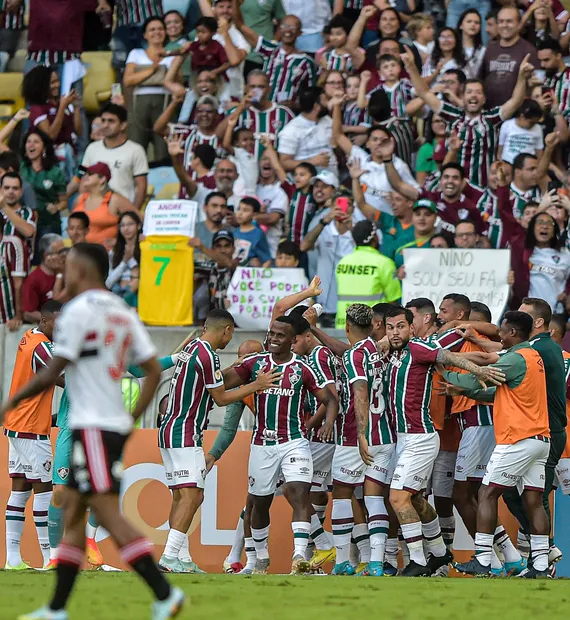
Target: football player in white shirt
[96,336]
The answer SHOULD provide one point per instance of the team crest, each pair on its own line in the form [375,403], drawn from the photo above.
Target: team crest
[463,214]
[63,472]
[556,259]
[294,375]
[47,466]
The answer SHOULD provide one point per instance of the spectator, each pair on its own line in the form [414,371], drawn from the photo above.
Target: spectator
[503,59]
[126,159]
[251,245]
[447,53]
[10,162]
[439,241]
[102,205]
[77,227]
[174,24]
[539,23]
[522,134]
[128,34]
[288,255]
[96,129]
[12,24]
[524,187]
[307,138]
[424,218]
[466,236]
[126,253]
[421,31]
[557,74]
[38,286]
[58,117]
[314,16]
[12,274]
[435,134]
[40,170]
[470,29]
[19,220]
[145,71]
[240,144]
[131,288]
[340,58]
[289,70]
[221,274]
[275,204]
[456,10]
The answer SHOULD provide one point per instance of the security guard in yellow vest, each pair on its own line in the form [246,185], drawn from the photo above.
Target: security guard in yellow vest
[365,276]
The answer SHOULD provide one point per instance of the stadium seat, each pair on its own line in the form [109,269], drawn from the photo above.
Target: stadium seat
[100,76]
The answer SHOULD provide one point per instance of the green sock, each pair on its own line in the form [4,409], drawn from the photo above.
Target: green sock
[55,526]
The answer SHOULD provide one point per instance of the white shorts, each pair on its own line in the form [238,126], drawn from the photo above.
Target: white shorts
[563,475]
[475,449]
[382,469]
[267,464]
[415,457]
[348,468]
[518,465]
[322,465]
[30,459]
[442,476]
[185,467]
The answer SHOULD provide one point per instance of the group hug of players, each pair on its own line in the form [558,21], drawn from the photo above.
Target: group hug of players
[420,401]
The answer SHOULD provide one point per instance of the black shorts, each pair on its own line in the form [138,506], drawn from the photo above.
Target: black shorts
[96,461]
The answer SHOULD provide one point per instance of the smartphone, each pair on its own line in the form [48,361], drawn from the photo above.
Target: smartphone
[116,90]
[342,203]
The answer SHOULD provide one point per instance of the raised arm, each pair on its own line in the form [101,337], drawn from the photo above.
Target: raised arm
[263,381]
[339,138]
[250,35]
[422,89]
[394,178]
[161,124]
[484,374]
[173,80]
[274,158]
[355,35]
[336,346]
[286,303]
[509,108]
[26,229]
[176,150]
[235,54]
[356,172]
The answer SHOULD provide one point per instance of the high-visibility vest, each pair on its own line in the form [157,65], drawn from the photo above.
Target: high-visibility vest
[367,277]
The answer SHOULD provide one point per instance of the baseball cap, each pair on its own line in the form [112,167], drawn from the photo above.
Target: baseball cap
[363,232]
[222,234]
[439,151]
[101,169]
[327,177]
[425,203]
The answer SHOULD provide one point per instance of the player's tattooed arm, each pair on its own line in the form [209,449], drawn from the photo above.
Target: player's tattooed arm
[484,374]
[361,407]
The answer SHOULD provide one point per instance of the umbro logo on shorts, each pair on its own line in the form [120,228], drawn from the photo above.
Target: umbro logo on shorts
[63,472]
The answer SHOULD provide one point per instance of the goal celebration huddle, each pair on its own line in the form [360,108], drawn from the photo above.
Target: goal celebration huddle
[417,403]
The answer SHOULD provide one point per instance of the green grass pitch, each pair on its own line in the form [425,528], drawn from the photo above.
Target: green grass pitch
[104,596]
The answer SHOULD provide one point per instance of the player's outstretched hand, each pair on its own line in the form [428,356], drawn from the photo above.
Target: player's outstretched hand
[490,375]
[315,287]
[364,453]
[265,380]
[448,389]
[326,432]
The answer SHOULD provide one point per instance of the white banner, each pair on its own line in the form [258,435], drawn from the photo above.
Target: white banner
[479,274]
[254,291]
[170,217]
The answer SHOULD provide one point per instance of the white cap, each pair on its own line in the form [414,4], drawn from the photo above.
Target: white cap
[327,177]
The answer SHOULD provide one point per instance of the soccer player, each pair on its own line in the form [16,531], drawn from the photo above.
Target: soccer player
[279,441]
[197,383]
[365,444]
[28,427]
[523,442]
[410,371]
[95,336]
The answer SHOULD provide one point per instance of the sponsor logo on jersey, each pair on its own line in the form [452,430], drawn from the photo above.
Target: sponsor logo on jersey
[299,459]
[280,391]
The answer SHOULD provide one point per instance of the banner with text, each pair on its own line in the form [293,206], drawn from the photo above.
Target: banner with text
[479,274]
[254,291]
[170,217]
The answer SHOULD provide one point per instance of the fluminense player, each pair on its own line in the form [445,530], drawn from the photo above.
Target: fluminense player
[279,445]
[409,385]
[197,383]
[523,440]
[95,337]
[28,427]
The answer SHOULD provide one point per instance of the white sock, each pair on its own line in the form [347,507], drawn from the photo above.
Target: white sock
[260,542]
[539,548]
[404,548]
[15,525]
[362,540]
[483,548]
[391,554]
[433,538]
[237,547]
[174,543]
[523,544]
[301,533]
[320,510]
[318,535]
[250,554]
[447,525]
[40,507]
[184,553]
[502,540]
[90,530]
[495,560]
[412,533]
[377,526]
[342,524]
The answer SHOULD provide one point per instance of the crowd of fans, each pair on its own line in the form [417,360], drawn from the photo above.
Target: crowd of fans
[443,123]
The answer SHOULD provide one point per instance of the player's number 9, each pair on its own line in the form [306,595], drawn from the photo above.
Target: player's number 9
[165,261]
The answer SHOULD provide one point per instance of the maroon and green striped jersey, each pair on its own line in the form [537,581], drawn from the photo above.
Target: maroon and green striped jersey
[410,376]
[479,136]
[30,217]
[399,95]
[13,20]
[560,84]
[338,62]
[519,199]
[189,401]
[135,12]
[363,363]
[288,73]
[301,211]
[12,265]
[324,365]
[265,122]
[480,414]
[279,410]
[353,116]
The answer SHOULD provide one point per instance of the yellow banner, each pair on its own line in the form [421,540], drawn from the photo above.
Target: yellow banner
[166,281]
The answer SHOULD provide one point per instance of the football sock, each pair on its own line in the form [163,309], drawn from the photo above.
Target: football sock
[412,533]
[539,548]
[174,543]
[377,526]
[15,525]
[362,540]
[447,525]
[138,554]
[301,533]
[506,547]
[237,546]
[433,538]
[69,561]
[342,524]
[260,538]
[318,535]
[391,554]
[41,508]
[55,526]
[483,548]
